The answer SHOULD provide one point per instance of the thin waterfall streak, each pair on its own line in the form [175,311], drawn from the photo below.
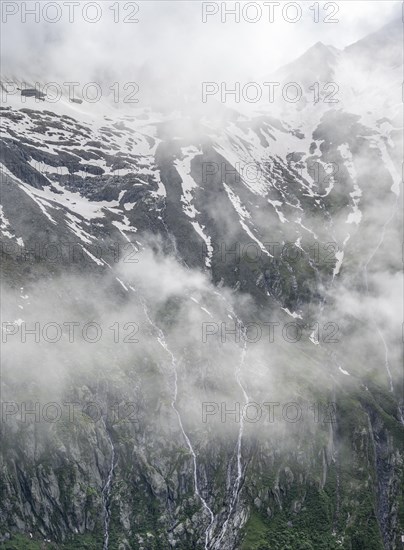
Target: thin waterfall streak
[162,341]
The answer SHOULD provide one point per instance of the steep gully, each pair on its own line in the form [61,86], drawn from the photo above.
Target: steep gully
[210,542]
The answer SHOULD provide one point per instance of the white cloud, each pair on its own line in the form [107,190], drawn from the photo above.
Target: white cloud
[172,40]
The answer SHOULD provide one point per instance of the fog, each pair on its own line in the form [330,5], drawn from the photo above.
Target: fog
[192,344]
[170,44]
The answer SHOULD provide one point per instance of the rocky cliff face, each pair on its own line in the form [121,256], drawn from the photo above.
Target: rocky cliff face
[200,337]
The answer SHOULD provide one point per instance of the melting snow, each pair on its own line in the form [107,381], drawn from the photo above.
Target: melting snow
[208,241]
[391,168]
[355,216]
[77,230]
[344,371]
[294,314]
[340,256]
[235,200]
[123,284]
[73,201]
[96,260]
[183,167]
[275,204]
[124,226]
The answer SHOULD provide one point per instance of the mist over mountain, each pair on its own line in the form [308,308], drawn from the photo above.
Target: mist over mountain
[202,299]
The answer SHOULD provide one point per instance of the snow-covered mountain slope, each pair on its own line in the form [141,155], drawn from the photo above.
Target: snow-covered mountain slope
[252,181]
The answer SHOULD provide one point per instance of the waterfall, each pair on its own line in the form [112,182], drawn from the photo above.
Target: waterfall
[162,341]
[106,492]
[240,472]
[365,272]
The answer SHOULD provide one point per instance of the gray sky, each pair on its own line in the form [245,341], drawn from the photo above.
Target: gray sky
[171,39]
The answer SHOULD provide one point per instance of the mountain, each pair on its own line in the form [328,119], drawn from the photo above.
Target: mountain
[383,47]
[202,319]
[315,65]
